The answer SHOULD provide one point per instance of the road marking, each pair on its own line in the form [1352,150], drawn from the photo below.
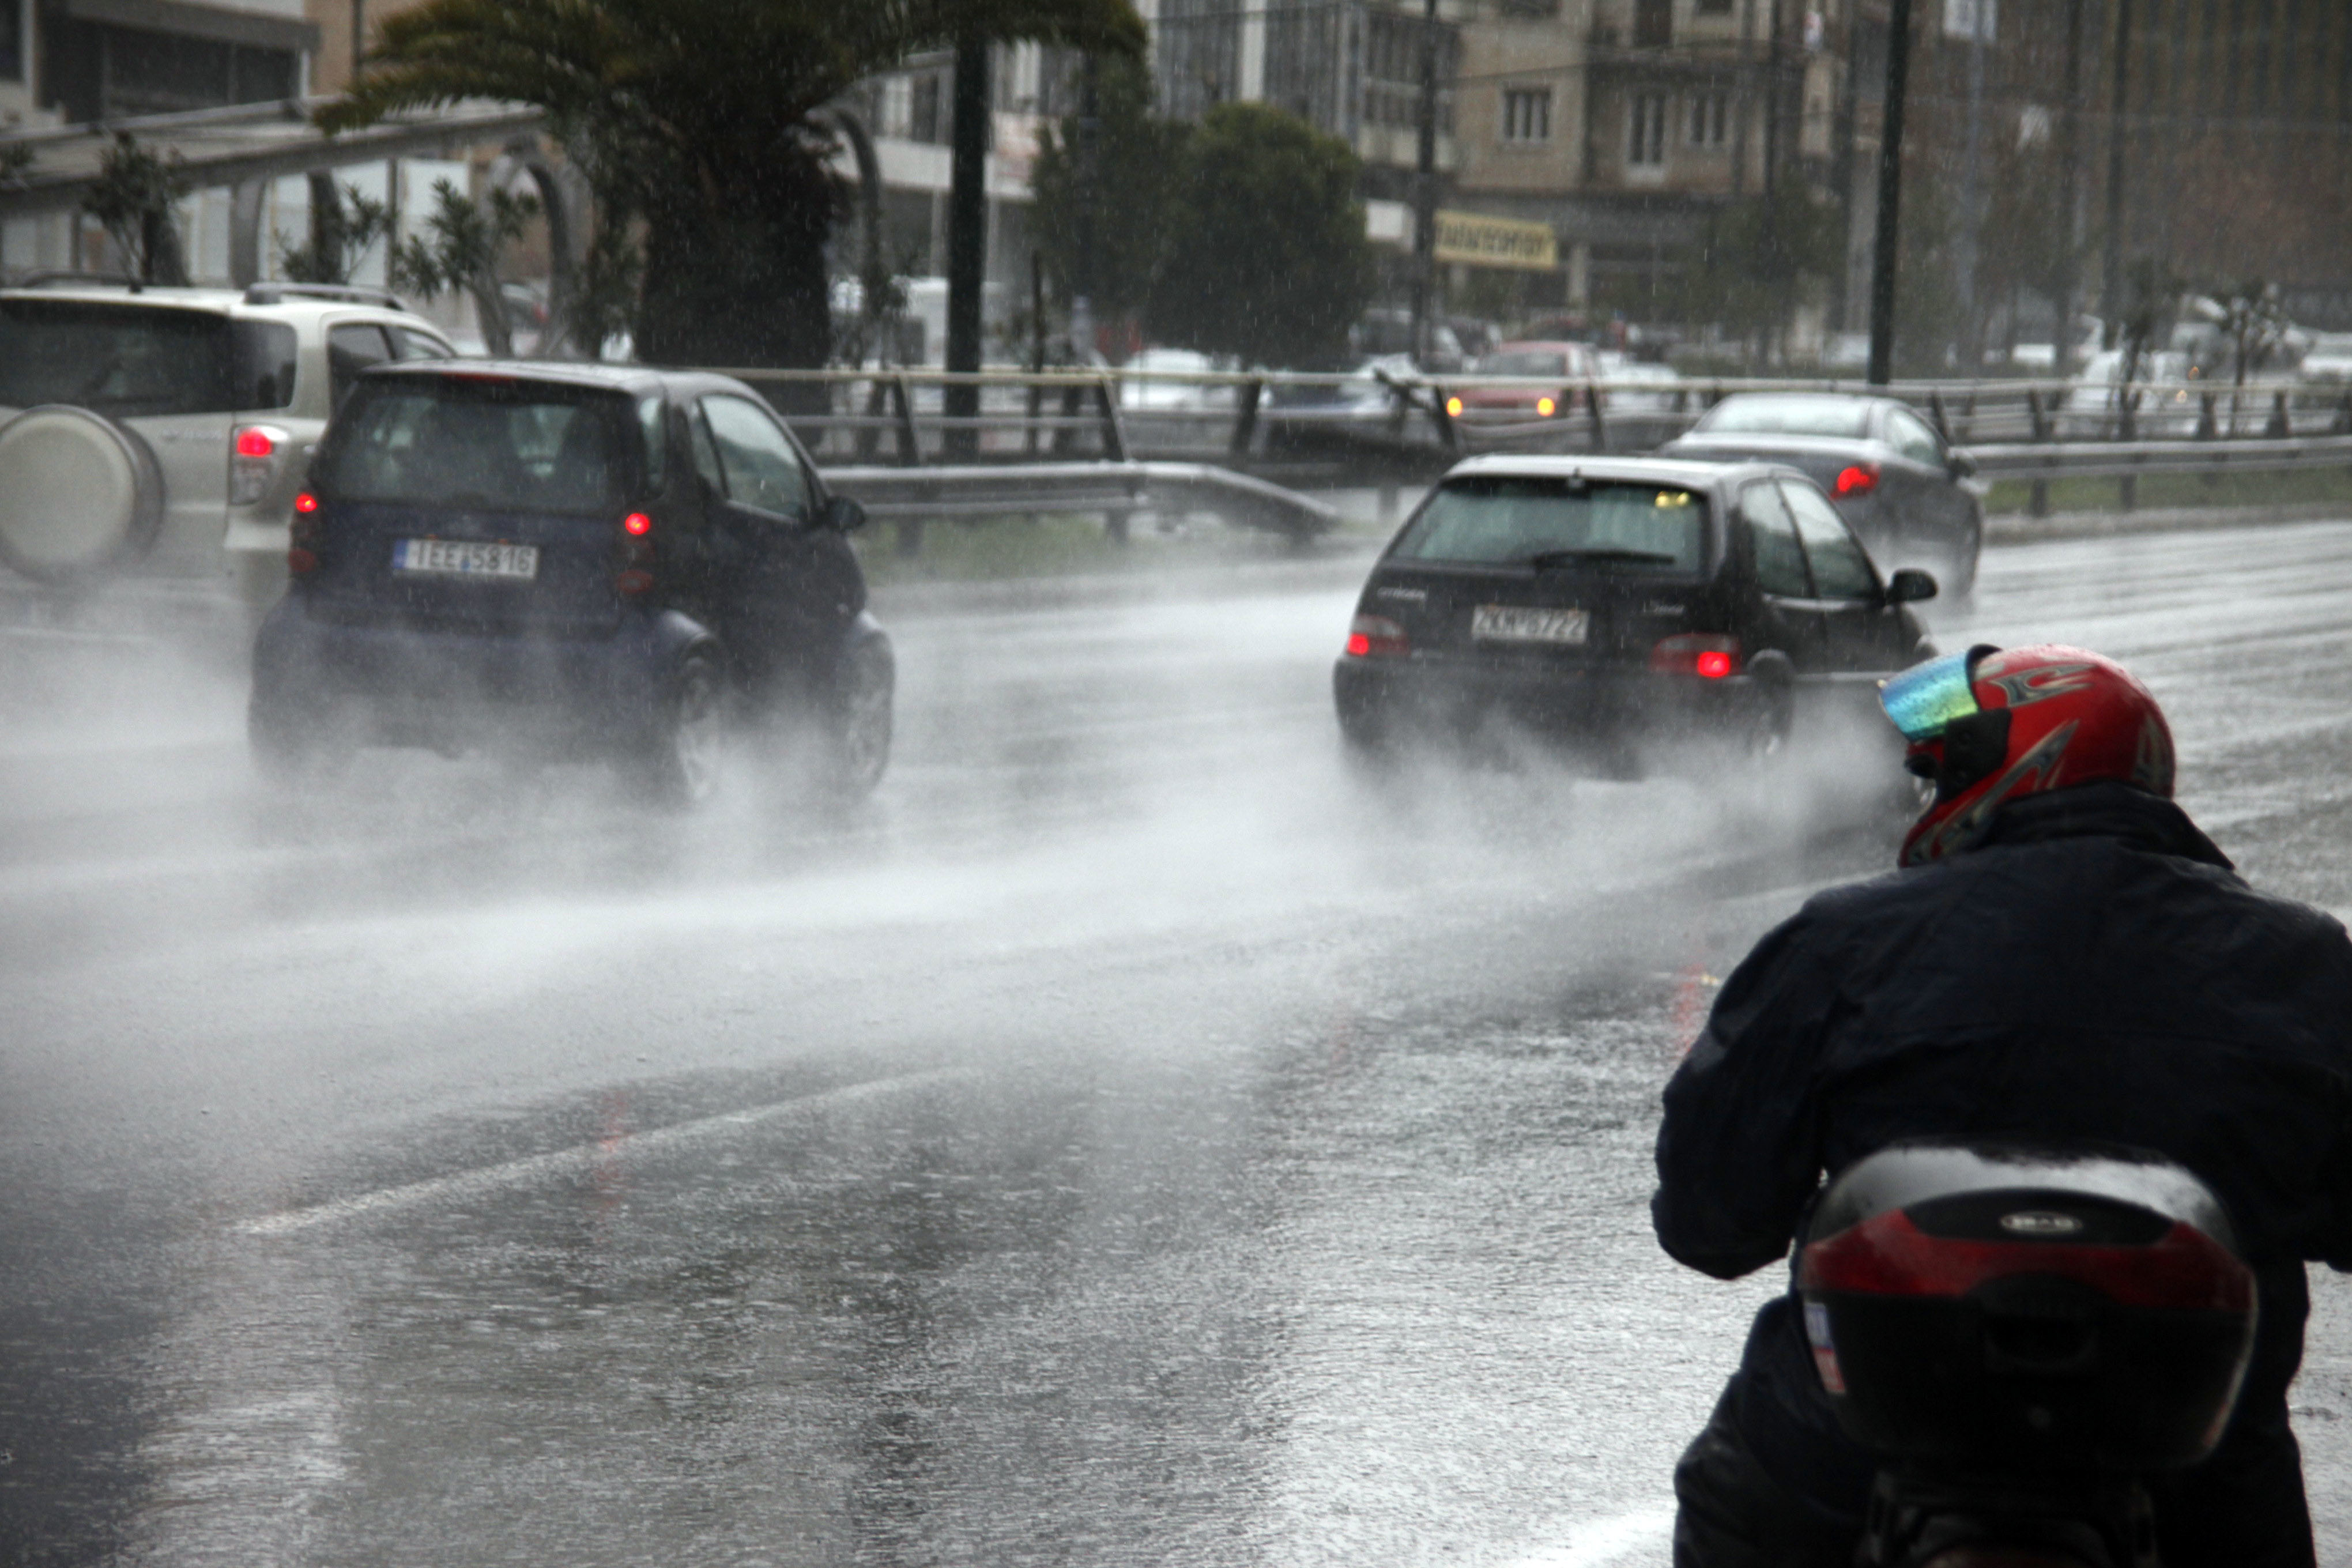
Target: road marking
[581,1159]
[1604,1541]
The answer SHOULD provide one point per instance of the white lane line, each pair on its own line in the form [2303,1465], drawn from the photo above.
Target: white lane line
[1604,1541]
[582,1158]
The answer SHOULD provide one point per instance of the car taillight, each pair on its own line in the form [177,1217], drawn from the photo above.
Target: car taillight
[1377,636]
[253,461]
[1858,480]
[637,555]
[301,557]
[1708,654]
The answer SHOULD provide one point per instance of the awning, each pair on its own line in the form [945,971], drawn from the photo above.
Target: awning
[246,27]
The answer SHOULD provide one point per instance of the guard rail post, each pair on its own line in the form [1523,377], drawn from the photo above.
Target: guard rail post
[1935,413]
[910,442]
[1114,435]
[869,434]
[1065,433]
[1599,430]
[1449,433]
[2127,428]
[2280,426]
[2038,418]
[2208,428]
[1246,417]
[1036,405]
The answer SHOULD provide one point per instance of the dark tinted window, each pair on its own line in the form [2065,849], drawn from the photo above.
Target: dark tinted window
[1909,434]
[1772,534]
[1771,414]
[1841,570]
[763,469]
[129,361]
[1500,521]
[351,349]
[265,364]
[508,445]
[417,345]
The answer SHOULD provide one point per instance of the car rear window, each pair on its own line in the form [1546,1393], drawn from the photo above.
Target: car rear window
[1787,416]
[502,444]
[141,361]
[1612,525]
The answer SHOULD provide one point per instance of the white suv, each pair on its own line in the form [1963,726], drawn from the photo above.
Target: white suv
[164,432]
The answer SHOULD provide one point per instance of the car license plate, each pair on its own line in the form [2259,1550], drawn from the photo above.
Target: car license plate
[1518,623]
[464,558]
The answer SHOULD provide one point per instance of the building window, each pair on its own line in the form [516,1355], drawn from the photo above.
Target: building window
[1526,114]
[1710,118]
[12,40]
[1653,23]
[1711,7]
[1646,146]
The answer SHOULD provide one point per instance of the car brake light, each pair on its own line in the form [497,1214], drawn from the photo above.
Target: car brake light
[306,503]
[1858,480]
[1708,654]
[637,524]
[253,462]
[1377,636]
[257,441]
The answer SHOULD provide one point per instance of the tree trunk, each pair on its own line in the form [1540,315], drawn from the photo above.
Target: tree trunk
[745,287]
[967,230]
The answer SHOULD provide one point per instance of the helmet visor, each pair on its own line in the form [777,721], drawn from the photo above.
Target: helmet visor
[1927,697]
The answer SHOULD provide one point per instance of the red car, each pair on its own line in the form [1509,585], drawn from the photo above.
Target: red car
[1569,365]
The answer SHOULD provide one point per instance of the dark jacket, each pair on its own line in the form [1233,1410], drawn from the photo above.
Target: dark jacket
[2094,971]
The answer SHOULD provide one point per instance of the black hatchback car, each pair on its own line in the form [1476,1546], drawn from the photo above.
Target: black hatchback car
[1621,606]
[597,560]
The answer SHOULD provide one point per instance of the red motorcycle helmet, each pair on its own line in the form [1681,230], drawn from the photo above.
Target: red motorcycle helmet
[1991,725]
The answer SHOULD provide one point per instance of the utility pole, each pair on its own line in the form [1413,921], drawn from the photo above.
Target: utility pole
[1842,174]
[1890,194]
[1424,189]
[967,234]
[2070,173]
[1964,252]
[2111,274]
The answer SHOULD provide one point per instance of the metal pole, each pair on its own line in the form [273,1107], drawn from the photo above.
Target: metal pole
[2111,283]
[1424,188]
[967,233]
[1890,194]
[1083,283]
[2070,159]
[1964,258]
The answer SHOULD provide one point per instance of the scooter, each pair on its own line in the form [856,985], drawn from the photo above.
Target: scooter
[2023,1336]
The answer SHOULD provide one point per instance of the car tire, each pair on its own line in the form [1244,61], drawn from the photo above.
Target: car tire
[858,720]
[85,493]
[1771,719]
[683,748]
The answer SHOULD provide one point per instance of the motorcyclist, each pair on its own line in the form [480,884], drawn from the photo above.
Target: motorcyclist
[2062,957]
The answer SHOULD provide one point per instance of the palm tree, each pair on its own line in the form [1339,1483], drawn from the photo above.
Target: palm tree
[698,118]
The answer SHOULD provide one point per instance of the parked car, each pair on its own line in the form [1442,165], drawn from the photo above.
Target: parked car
[1622,607]
[2167,409]
[1569,370]
[582,558]
[1142,388]
[166,430]
[1911,498]
[2330,358]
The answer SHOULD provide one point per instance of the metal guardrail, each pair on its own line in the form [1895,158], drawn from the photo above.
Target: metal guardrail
[1120,441]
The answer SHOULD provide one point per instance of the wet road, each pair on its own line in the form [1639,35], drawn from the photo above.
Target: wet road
[1128,1141]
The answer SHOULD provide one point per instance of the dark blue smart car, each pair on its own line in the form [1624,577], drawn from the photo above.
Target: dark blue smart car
[587,559]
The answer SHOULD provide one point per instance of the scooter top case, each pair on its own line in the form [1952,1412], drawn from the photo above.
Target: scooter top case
[2027,1310]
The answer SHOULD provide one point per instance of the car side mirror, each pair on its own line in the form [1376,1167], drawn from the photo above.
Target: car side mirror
[843,513]
[1909,587]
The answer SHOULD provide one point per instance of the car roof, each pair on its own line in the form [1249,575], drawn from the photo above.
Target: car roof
[1874,398]
[1551,343]
[635,378]
[1687,472]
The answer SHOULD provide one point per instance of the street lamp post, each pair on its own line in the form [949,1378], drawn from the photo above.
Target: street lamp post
[1424,188]
[1890,195]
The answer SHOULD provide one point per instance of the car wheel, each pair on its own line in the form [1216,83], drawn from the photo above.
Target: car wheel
[687,744]
[859,742]
[1770,721]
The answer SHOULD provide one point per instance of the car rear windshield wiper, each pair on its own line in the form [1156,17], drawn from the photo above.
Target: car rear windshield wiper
[1547,559]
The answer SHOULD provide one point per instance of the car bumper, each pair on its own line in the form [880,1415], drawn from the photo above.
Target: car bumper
[1380,697]
[437,685]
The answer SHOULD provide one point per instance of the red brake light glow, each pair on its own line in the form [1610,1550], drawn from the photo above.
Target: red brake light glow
[1710,656]
[1858,480]
[1377,636]
[306,502]
[255,441]
[637,524]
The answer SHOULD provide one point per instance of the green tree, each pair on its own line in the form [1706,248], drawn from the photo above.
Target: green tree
[1759,256]
[696,123]
[1108,243]
[134,197]
[344,229]
[468,237]
[1265,257]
